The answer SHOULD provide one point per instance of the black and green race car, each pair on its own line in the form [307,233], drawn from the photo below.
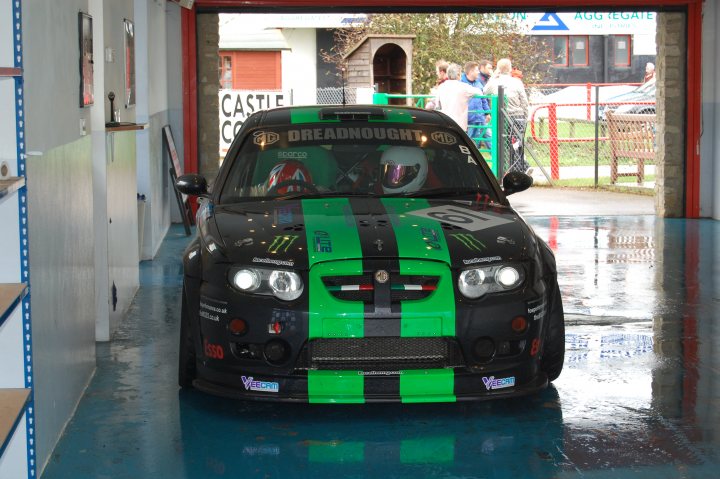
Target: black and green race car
[350,254]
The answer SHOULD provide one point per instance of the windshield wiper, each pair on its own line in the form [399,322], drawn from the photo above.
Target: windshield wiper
[445,191]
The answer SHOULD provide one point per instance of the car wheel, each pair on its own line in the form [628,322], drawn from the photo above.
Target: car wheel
[554,350]
[187,367]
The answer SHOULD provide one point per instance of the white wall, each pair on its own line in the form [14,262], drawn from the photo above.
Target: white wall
[710,140]
[152,109]
[60,206]
[298,65]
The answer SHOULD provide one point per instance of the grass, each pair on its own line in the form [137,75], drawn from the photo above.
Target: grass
[623,184]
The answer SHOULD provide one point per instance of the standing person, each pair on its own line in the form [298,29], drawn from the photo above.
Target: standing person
[454,95]
[441,67]
[476,119]
[516,108]
[649,72]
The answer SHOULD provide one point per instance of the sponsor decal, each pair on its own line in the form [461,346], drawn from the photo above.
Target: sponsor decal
[265,137]
[366,133]
[464,150]
[488,259]
[535,347]
[469,241]
[443,137]
[380,373]
[323,243]
[210,311]
[213,351]
[379,243]
[283,215]
[263,386]
[504,240]
[282,320]
[275,261]
[244,242]
[281,243]
[536,309]
[382,276]
[431,238]
[465,218]
[291,155]
[472,160]
[501,383]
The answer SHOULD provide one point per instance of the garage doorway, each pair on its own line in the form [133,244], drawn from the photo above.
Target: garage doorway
[676,195]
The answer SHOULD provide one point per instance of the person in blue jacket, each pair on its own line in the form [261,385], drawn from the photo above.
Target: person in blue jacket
[476,119]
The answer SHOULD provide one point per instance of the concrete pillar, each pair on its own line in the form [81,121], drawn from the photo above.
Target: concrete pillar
[671,73]
[208,35]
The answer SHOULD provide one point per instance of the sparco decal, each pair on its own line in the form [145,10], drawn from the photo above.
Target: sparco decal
[463,217]
[367,133]
[492,383]
[262,386]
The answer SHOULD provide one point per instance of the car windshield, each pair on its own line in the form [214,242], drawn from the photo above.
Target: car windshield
[354,159]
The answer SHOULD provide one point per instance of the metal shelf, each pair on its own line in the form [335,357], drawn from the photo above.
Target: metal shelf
[10,185]
[12,406]
[10,296]
[10,72]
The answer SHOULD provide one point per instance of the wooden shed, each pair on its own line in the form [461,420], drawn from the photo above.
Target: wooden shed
[383,62]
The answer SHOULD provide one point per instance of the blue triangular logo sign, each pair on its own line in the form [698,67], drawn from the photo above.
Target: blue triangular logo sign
[550,21]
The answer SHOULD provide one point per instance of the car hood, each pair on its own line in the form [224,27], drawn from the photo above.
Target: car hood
[300,233]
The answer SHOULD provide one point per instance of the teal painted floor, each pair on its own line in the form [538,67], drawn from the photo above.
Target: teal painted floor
[639,396]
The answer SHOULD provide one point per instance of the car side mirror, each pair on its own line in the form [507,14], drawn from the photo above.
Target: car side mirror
[515,182]
[192,184]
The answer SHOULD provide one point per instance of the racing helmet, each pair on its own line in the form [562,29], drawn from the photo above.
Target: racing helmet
[403,169]
[288,170]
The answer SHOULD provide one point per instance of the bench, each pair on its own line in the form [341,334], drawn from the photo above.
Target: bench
[632,137]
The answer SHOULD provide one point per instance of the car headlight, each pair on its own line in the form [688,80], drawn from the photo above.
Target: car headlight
[246,280]
[476,282]
[285,285]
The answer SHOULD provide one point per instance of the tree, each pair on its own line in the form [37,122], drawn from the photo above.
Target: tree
[455,37]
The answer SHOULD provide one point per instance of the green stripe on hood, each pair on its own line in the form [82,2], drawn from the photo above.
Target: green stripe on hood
[421,238]
[333,250]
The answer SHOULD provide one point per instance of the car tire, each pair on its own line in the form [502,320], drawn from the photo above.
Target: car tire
[554,350]
[187,364]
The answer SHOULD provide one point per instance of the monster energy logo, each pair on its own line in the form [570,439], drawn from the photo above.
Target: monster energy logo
[281,243]
[469,241]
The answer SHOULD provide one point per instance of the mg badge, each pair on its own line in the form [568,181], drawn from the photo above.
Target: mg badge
[382,276]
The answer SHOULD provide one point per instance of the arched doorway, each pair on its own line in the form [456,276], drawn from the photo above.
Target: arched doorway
[390,71]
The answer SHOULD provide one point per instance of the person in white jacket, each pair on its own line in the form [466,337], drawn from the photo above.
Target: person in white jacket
[453,96]
[516,109]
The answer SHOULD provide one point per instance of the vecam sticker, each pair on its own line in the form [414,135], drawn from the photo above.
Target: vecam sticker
[463,217]
[501,383]
[263,386]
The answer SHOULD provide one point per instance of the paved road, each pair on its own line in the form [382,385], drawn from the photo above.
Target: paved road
[545,201]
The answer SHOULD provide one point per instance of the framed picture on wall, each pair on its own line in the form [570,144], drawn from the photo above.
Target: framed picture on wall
[87,97]
[129,29]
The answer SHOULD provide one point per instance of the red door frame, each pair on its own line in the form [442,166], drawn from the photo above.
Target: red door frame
[694,44]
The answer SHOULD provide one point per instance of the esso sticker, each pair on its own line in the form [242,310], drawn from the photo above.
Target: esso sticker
[213,351]
[464,218]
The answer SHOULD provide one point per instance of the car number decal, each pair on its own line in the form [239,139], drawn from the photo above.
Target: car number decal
[465,218]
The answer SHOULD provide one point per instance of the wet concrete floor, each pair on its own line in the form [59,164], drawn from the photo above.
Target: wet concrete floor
[639,396]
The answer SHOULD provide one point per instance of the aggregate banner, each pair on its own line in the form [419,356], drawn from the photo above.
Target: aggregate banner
[237,105]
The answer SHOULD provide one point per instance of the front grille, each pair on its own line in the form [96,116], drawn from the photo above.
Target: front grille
[361,287]
[382,353]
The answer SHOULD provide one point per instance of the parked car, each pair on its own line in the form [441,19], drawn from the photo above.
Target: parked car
[364,253]
[630,102]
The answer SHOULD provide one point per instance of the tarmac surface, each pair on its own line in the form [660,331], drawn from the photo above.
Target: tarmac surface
[547,201]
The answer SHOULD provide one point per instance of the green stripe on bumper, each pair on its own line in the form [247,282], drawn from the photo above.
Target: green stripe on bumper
[427,385]
[326,387]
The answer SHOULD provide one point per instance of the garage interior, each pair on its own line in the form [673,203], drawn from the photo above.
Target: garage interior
[89,314]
